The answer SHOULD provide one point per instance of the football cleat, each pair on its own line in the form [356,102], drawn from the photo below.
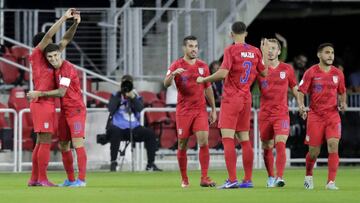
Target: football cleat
[67,183]
[33,183]
[309,183]
[246,184]
[331,186]
[270,181]
[47,183]
[279,182]
[207,182]
[229,185]
[185,183]
[79,183]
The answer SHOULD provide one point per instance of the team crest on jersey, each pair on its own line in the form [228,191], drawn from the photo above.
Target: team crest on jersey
[201,71]
[335,79]
[46,125]
[282,75]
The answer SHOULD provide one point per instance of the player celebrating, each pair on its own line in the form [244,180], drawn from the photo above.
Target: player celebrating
[43,110]
[323,82]
[73,113]
[274,116]
[191,115]
[242,62]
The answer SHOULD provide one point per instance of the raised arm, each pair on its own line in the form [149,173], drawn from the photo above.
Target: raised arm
[70,32]
[47,39]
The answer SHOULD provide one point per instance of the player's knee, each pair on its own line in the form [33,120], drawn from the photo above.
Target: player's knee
[44,138]
[182,143]
[332,147]
[267,145]
[64,146]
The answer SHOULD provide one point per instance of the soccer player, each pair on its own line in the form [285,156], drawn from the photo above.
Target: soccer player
[191,114]
[43,110]
[242,62]
[73,113]
[274,116]
[323,82]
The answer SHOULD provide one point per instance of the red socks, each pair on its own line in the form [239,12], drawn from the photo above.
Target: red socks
[35,168]
[309,165]
[43,157]
[182,161]
[204,158]
[67,159]
[269,161]
[81,161]
[248,158]
[230,157]
[280,159]
[333,164]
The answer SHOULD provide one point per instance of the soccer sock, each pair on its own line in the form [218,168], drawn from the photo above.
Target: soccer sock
[204,158]
[248,159]
[182,161]
[43,157]
[280,159]
[81,161]
[309,165]
[67,159]
[269,161]
[35,168]
[333,164]
[230,157]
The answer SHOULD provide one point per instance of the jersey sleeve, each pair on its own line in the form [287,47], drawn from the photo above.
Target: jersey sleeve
[305,82]
[67,75]
[207,73]
[172,68]
[260,66]
[36,57]
[341,88]
[227,61]
[292,78]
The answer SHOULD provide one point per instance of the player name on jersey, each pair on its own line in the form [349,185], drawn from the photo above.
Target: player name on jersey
[247,54]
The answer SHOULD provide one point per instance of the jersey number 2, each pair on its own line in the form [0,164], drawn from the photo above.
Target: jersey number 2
[247,65]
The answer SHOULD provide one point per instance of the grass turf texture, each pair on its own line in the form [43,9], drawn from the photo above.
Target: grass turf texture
[165,187]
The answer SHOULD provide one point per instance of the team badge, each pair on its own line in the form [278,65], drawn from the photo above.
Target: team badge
[179,131]
[335,79]
[201,71]
[46,125]
[282,74]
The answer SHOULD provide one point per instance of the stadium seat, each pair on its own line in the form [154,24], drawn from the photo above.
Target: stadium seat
[3,122]
[18,101]
[148,98]
[162,96]
[19,52]
[168,138]
[103,94]
[10,73]
[214,136]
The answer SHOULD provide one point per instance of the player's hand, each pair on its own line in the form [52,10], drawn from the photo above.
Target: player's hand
[70,13]
[178,71]
[130,94]
[77,17]
[33,95]
[342,106]
[200,80]
[213,116]
[302,112]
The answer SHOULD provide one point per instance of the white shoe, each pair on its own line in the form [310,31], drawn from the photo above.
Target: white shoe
[270,181]
[331,186]
[185,184]
[309,183]
[279,182]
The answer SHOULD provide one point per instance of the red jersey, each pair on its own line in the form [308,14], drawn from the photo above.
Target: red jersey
[43,74]
[243,62]
[191,96]
[274,90]
[67,77]
[323,88]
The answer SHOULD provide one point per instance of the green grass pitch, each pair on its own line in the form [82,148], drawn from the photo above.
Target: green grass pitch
[158,187]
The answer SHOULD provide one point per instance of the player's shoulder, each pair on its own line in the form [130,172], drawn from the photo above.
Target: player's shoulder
[201,62]
[177,62]
[286,66]
[312,69]
[336,70]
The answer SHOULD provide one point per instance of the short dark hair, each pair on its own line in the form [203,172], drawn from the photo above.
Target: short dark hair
[323,45]
[127,78]
[50,48]
[238,27]
[187,38]
[37,38]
